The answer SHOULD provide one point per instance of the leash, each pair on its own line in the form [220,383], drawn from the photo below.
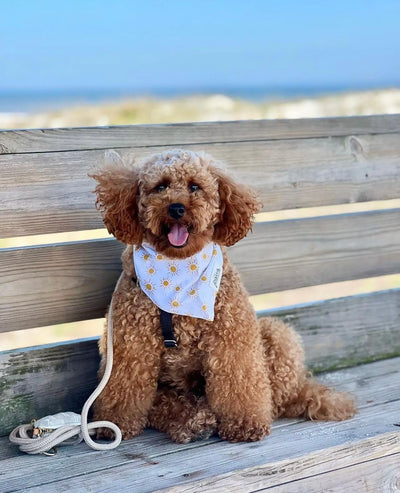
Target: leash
[42,436]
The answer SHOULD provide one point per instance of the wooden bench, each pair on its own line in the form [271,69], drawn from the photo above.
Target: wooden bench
[354,340]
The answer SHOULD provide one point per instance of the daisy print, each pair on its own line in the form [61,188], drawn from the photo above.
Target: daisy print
[166,283]
[144,255]
[174,305]
[173,269]
[193,267]
[193,293]
[149,286]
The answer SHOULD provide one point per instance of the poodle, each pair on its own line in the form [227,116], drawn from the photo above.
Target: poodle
[190,357]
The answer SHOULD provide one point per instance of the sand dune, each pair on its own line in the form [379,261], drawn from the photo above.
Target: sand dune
[208,108]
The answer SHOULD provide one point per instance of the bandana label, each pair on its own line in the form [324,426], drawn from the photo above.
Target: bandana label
[182,286]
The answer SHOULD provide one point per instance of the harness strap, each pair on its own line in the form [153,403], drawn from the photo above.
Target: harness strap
[167,327]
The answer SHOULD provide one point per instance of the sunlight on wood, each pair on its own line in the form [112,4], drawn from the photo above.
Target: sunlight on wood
[327,210]
[21,241]
[324,292]
[282,215]
[93,328]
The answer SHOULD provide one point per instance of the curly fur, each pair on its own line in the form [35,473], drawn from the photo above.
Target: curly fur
[232,376]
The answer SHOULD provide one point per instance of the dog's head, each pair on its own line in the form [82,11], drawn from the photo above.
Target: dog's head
[178,201]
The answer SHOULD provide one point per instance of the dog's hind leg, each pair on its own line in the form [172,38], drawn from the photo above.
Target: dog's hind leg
[294,393]
[183,416]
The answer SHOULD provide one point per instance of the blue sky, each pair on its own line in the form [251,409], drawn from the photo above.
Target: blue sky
[53,44]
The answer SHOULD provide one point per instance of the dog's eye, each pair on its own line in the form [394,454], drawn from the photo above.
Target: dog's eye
[193,187]
[161,187]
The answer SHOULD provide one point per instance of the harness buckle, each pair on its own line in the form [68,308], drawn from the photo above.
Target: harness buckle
[170,343]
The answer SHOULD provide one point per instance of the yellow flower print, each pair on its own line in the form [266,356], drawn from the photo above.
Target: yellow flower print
[149,286]
[175,304]
[151,271]
[192,268]
[165,283]
[173,269]
[204,307]
[204,278]
[159,257]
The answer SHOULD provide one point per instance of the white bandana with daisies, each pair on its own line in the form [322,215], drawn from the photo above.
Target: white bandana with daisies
[182,286]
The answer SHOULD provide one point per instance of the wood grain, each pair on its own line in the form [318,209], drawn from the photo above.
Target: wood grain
[305,252]
[346,331]
[293,450]
[331,340]
[64,139]
[40,381]
[73,281]
[51,192]
[377,475]
[57,284]
[334,469]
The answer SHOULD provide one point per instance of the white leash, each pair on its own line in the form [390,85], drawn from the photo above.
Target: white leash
[62,427]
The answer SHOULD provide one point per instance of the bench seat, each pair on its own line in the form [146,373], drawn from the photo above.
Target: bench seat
[298,456]
[331,214]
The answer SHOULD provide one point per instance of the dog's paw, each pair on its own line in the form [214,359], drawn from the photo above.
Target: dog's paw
[104,434]
[127,432]
[199,427]
[243,430]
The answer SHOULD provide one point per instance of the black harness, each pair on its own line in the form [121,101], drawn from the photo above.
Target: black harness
[167,327]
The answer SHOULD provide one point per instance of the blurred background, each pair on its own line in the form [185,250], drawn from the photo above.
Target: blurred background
[92,62]
[87,62]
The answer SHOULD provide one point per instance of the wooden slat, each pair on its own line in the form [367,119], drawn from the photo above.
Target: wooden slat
[294,450]
[45,380]
[362,467]
[63,139]
[337,333]
[74,281]
[347,331]
[305,252]
[51,192]
[57,284]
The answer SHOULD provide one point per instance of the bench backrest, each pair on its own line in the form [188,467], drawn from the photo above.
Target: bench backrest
[44,189]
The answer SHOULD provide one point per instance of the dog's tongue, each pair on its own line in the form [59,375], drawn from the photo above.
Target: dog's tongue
[178,235]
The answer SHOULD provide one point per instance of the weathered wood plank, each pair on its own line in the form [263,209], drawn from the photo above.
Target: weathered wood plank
[63,139]
[51,192]
[45,380]
[57,284]
[371,332]
[378,475]
[334,469]
[346,331]
[74,281]
[305,252]
[149,463]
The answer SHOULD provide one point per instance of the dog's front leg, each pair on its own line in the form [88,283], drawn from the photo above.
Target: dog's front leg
[237,385]
[131,389]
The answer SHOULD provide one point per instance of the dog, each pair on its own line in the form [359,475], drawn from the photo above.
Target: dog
[227,372]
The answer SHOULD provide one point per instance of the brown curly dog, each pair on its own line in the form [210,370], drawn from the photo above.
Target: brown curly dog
[231,375]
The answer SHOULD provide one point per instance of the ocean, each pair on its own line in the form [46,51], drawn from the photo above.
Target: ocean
[35,101]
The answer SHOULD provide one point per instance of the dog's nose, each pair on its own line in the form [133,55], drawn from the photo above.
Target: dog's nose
[177,211]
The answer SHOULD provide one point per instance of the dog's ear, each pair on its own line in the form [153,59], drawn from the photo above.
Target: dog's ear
[117,191]
[238,204]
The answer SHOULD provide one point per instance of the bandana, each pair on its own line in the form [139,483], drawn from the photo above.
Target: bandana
[182,286]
